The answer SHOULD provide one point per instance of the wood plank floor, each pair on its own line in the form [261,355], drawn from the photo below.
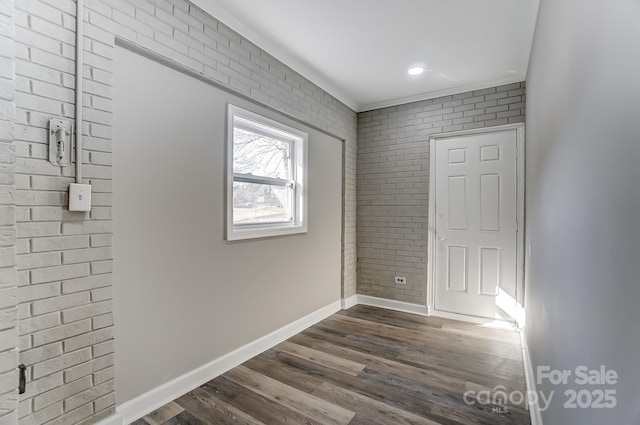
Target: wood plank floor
[365,366]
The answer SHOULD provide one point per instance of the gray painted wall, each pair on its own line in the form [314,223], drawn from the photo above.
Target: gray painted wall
[583,110]
[185,296]
[393,182]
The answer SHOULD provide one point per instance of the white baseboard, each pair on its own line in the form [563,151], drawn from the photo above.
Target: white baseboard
[347,303]
[146,403]
[393,305]
[115,419]
[530,379]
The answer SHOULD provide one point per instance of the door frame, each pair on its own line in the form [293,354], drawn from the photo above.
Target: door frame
[520,222]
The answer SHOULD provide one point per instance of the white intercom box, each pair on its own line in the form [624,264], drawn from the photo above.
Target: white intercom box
[79,197]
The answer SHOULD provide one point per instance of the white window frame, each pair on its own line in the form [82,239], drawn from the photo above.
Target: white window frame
[299,141]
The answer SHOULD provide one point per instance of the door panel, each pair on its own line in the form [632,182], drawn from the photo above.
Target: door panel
[489,271]
[490,202]
[457,269]
[457,203]
[475,222]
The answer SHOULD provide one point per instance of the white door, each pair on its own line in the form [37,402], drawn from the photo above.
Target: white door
[476,208]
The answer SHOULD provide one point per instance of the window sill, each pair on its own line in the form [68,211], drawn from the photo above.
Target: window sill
[264,232]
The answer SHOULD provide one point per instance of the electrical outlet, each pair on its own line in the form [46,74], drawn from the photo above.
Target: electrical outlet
[401,280]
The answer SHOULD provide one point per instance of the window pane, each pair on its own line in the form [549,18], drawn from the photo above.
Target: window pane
[260,155]
[261,203]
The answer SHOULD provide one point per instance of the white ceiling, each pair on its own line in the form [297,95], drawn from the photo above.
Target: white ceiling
[360,50]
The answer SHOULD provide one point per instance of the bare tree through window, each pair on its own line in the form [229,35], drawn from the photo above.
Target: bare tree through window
[259,155]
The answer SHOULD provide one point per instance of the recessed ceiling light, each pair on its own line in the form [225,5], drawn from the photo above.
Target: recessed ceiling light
[416,70]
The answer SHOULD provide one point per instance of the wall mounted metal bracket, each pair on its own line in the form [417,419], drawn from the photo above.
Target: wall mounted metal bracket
[60,133]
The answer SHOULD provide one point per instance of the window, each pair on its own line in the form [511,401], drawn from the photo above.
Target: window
[267,177]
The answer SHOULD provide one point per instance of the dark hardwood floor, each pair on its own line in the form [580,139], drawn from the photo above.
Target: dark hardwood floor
[367,366]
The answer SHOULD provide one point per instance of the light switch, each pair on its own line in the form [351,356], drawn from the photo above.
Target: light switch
[79,197]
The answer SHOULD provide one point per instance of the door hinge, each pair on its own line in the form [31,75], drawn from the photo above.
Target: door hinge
[22,379]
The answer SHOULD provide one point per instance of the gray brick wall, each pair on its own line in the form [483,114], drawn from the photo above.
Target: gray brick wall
[8,297]
[64,293]
[64,259]
[393,182]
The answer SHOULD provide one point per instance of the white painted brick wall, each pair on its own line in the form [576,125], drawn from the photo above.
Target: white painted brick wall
[8,277]
[393,182]
[64,259]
